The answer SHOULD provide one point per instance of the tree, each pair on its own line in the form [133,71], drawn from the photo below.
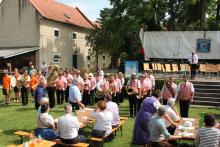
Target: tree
[120,25]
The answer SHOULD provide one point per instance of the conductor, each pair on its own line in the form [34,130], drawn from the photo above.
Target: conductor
[193,60]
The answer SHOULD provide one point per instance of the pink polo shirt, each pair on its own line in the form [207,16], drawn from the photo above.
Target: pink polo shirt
[87,84]
[61,83]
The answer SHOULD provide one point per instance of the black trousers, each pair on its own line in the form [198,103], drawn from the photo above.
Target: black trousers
[24,95]
[79,138]
[184,108]
[74,106]
[164,102]
[60,96]
[115,98]
[51,94]
[67,94]
[133,104]
[193,70]
[86,98]
[92,95]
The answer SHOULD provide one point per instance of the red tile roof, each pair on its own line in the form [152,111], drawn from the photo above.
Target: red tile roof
[54,10]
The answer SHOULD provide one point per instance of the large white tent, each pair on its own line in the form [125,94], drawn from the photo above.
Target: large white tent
[178,44]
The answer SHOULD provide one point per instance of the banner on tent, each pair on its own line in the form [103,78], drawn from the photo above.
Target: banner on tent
[203,45]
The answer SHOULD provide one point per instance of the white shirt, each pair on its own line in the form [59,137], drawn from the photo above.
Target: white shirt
[103,121]
[195,59]
[44,67]
[44,120]
[172,114]
[68,126]
[113,108]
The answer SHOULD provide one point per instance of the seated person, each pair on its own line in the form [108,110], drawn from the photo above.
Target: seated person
[158,132]
[209,136]
[68,127]
[45,124]
[171,111]
[43,100]
[113,108]
[104,118]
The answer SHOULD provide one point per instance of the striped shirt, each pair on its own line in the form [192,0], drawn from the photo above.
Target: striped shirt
[208,137]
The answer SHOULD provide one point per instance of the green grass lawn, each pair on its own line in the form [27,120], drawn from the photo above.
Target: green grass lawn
[16,117]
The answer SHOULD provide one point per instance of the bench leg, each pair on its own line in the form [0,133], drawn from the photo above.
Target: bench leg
[21,137]
[121,131]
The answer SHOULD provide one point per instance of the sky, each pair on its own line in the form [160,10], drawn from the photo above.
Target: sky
[91,8]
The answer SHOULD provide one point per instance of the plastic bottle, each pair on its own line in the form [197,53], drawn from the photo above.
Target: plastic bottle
[201,121]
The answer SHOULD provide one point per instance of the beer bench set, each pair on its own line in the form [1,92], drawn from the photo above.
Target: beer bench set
[23,134]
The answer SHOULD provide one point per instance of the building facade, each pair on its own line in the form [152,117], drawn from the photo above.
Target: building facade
[45,30]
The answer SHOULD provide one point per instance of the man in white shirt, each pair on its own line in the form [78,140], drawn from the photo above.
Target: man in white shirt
[193,60]
[44,68]
[171,111]
[68,127]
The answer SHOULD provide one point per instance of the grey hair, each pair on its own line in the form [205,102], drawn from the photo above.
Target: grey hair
[171,102]
[76,81]
[161,111]
[68,108]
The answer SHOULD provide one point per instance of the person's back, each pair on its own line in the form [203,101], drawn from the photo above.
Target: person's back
[68,126]
[157,127]
[209,137]
[103,121]
[113,108]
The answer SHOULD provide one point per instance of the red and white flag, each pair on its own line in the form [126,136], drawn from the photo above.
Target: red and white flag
[143,51]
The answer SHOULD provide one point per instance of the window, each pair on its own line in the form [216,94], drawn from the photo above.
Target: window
[103,57]
[56,58]
[74,35]
[88,58]
[103,65]
[56,33]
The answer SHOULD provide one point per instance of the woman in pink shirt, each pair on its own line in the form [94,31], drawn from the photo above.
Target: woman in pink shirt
[86,90]
[118,88]
[61,85]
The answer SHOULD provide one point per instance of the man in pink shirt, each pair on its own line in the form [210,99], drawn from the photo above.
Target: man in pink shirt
[133,83]
[118,88]
[61,85]
[185,94]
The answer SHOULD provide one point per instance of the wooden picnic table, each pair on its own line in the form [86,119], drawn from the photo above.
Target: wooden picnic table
[39,143]
[187,133]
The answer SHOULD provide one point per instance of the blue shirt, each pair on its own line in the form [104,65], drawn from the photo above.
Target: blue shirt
[74,93]
[39,93]
[158,131]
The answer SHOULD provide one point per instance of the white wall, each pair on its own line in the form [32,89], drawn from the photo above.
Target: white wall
[63,45]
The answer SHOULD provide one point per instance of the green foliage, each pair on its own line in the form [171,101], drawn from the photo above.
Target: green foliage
[120,25]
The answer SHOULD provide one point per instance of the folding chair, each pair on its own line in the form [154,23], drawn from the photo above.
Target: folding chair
[160,67]
[147,66]
[154,67]
[202,69]
[175,68]
[214,69]
[168,68]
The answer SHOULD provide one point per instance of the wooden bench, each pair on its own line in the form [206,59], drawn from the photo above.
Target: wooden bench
[23,134]
[58,141]
[119,127]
